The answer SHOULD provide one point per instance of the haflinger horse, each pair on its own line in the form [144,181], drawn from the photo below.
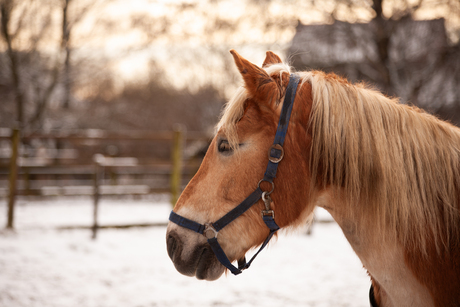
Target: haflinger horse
[388,173]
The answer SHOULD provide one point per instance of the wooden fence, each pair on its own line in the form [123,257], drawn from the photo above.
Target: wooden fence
[84,169]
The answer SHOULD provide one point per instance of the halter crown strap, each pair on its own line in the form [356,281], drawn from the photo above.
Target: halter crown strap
[276,153]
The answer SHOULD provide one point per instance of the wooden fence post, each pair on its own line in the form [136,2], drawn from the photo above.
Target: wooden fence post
[26,180]
[96,193]
[176,175]
[13,177]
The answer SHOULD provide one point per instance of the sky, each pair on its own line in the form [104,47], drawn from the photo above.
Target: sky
[192,38]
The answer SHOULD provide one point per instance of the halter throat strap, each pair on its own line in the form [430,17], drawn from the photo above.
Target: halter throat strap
[275,155]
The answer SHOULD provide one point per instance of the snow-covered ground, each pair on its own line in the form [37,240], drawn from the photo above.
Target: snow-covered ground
[45,267]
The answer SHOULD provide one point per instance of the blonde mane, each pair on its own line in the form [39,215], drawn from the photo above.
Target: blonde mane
[398,164]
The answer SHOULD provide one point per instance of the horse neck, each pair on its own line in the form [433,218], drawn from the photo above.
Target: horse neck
[401,237]
[383,259]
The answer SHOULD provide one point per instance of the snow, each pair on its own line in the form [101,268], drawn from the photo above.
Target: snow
[41,266]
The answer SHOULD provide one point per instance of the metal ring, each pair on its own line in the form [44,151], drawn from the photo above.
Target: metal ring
[210,232]
[273,186]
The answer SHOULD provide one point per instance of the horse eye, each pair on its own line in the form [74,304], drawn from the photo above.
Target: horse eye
[224,146]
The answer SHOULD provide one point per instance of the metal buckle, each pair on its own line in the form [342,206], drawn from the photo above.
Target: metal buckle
[267,201]
[209,231]
[268,213]
[273,186]
[274,159]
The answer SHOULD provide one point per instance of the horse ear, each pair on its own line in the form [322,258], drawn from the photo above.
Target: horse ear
[281,80]
[271,59]
[257,82]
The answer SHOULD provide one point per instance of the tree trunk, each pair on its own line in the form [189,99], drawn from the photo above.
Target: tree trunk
[5,9]
[65,46]
[382,33]
[13,177]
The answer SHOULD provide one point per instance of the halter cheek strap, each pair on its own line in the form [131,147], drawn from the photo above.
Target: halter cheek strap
[275,155]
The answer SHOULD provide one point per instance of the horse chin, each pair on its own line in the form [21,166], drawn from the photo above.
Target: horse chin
[198,260]
[209,268]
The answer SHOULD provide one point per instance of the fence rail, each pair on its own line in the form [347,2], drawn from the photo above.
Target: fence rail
[58,178]
[100,175]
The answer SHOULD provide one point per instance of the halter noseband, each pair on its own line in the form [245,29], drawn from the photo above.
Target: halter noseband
[275,155]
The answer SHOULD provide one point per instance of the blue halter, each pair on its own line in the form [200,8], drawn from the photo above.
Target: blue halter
[275,155]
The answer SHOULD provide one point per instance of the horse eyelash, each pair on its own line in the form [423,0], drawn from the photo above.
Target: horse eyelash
[227,147]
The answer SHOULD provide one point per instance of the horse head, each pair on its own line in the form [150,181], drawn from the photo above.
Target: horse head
[235,164]
[388,173]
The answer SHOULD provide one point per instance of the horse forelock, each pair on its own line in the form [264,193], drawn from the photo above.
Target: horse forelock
[234,109]
[399,165]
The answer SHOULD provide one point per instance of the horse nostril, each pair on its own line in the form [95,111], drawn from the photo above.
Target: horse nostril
[171,243]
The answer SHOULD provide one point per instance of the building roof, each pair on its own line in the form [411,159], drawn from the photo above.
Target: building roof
[342,42]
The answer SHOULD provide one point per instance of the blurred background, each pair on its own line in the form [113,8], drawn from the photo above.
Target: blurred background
[107,108]
[145,65]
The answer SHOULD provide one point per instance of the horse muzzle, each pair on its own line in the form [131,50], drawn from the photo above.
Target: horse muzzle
[192,256]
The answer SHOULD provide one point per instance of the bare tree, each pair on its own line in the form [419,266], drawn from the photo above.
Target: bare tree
[29,88]
[385,27]
[73,12]
[6,7]
[39,60]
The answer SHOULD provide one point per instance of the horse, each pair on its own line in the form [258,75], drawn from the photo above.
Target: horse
[388,173]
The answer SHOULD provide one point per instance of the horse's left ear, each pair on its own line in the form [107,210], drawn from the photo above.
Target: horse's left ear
[257,82]
[282,80]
